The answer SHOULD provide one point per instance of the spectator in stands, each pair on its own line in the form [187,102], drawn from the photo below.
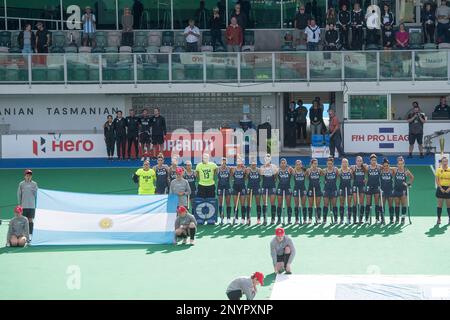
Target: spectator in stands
[216,33]
[27,40]
[120,133]
[127,28]
[402,37]
[331,38]
[88,21]
[387,17]
[138,10]
[373,25]
[110,139]
[43,38]
[159,131]
[241,17]
[180,187]
[416,119]
[26,198]
[331,17]
[428,19]
[192,34]
[343,23]
[335,134]
[316,118]
[442,107]
[18,231]
[312,32]
[301,19]
[388,37]
[201,15]
[357,19]
[302,112]
[234,36]
[443,15]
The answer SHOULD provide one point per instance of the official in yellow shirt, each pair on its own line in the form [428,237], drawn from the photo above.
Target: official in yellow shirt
[443,188]
[145,178]
[206,172]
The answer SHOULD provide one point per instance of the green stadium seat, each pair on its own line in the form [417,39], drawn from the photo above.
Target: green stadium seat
[39,74]
[5,39]
[94,73]
[178,71]
[55,74]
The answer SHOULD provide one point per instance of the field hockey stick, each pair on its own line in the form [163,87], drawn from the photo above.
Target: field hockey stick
[346,205]
[358,203]
[250,203]
[300,207]
[382,205]
[223,205]
[407,198]
[332,215]
[315,206]
[284,204]
[267,195]
[236,207]
[188,201]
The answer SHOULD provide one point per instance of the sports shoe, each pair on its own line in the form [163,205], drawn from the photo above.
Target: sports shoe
[403,220]
[228,220]
[272,221]
[249,222]
[243,221]
[289,221]
[278,221]
[184,241]
[309,221]
[192,242]
[258,221]
[265,222]
[396,221]
[297,221]
[438,221]
[143,158]
[288,272]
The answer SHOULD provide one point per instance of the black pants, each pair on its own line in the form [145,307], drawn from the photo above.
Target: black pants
[110,147]
[121,146]
[234,295]
[130,141]
[206,191]
[191,47]
[127,39]
[291,140]
[357,38]
[428,31]
[216,38]
[284,258]
[301,129]
[336,143]
[343,34]
[372,37]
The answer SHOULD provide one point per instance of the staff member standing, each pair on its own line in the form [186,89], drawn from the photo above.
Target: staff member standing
[180,187]
[159,131]
[302,112]
[26,197]
[206,172]
[335,134]
[110,138]
[245,285]
[120,132]
[282,251]
[416,119]
[145,178]
[132,123]
[291,124]
[443,188]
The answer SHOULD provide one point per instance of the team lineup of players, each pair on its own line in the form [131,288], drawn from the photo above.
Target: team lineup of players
[357,189]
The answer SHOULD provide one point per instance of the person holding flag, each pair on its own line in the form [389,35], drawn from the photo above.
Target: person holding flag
[245,285]
[282,251]
[145,177]
[185,225]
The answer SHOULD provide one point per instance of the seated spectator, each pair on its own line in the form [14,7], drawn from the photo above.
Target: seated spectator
[312,32]
[127,28]
[185,225]
[442,107]
[192,34]
[89,22]
[428,19]
[27,40]
[18,231]
[388,37]
[216,33]
[234,36]
[331,38]
[402,37]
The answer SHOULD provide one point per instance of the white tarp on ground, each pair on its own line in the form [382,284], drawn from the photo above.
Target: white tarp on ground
[361,287]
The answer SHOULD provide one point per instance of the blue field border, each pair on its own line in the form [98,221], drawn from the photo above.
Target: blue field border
[105,163]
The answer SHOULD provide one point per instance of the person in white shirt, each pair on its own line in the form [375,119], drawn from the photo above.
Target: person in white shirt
[192,34]
[89,22]
[312,32]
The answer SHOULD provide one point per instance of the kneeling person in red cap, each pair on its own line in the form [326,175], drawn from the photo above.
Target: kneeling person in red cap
[18,232]
[282,251]
[245,285]
[185,225]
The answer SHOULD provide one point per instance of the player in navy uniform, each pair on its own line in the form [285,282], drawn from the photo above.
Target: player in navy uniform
[133,124]
[253,189]
[223,189]
[284,188]
[373,187]
[190,176]
[162,176]
[173,169]
[359,171]
[331,174]
[268,172]
[314,190]
[299,191]
[345,191]
[239,190]
[145,134]
[386,190]
[401,175]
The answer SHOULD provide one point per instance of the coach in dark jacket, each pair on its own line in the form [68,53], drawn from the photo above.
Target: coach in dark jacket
[132,133]
[120,131]
[158,131]
[110,139]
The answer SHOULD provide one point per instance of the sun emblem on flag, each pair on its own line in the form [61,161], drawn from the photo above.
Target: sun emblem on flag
[106,223]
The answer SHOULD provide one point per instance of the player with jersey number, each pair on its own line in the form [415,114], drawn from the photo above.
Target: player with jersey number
[386,190]
[268,172]
[403,179]
[299,191]
[162,176]
[345,191]
[284,191]
[145,178]
[190,176]
[239,191]
[253,189]
[314,190]
[359,181]
[224,189]
[331,174]
[373,188]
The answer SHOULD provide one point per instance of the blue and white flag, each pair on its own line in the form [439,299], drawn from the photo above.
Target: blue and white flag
[66,218]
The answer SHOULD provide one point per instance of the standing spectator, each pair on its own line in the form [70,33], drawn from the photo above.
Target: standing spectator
[185,225]
[335,134]
[442,107]
[331,17]
[138,10]
[316,118]
[373,24]
[159,131]
[416,119]
[402,37]
[18,231]
[244,286]
[27,40]
[291,123]
[343,22]
[443,15]
[88,21]
[127,28]
[302,112]
[312,32]
[192,34]
[26,197]
[428,19]
[120,133]
[241,18]
[234,36]
[331,38]
[301,19]
[388,37]
[110,139]
[387,17]
[43,38]
[132,123]
[180,187]
[201,14]
[216,33]
[357,20]
[206,171]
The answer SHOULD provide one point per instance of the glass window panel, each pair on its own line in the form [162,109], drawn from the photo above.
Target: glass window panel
[431,65]
[152,67]
[325,65]
[32,11]
[256,66]
[290,66]
[187,67]
[367,107]
[47,68]
[289,11]
[360,65]
[104,10]
[200,11]
[395,65]
[261,14]
[148,14]
[14,68]
[407,10]
[83,67]
[221,67]
[2,16]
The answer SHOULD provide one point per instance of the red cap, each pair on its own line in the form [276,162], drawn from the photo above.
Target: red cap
[260,277]
[18,209]
[279,232]
[28,171]
[180,170]
[181,209]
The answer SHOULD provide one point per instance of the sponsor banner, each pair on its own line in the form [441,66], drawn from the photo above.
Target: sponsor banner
[386,137]
[222,60]
[321,152]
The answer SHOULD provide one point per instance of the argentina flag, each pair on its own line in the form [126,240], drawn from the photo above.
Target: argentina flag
[66,218]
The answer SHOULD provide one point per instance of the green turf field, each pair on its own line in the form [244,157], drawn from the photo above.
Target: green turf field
[220,253]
